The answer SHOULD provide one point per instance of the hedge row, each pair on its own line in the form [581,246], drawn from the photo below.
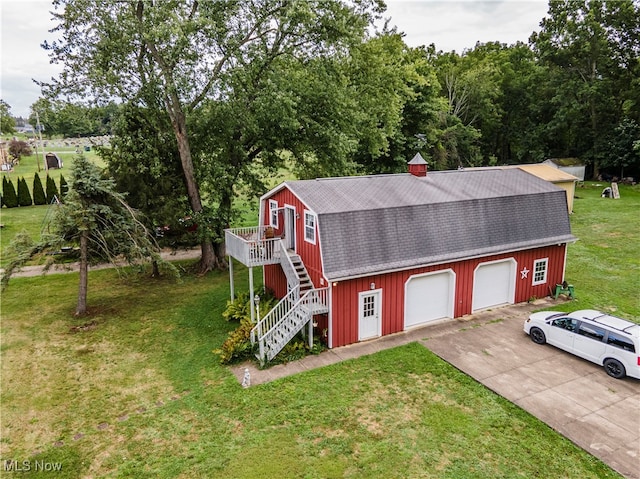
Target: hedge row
[41,196]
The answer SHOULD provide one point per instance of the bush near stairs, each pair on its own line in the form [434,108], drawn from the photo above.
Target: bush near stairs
[238,345]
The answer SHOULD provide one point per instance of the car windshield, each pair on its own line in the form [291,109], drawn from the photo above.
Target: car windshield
[556,315]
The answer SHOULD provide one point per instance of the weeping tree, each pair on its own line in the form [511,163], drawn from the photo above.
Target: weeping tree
[95,219]
[187,52]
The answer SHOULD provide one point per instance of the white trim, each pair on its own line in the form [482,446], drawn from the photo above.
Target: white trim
[315,224]
[280,187]
[545,271]
[451,300]
[378,293]
[512,283]
[273,208]
[293,225]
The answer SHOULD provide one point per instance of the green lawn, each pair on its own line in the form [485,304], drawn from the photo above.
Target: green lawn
[134,389]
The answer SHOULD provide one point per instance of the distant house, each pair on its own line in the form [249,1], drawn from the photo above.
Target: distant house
[573,166]
[355,258]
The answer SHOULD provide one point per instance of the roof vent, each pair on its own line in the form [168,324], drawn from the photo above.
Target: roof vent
[417,166]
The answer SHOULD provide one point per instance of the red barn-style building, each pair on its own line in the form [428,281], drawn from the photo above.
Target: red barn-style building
[356,258]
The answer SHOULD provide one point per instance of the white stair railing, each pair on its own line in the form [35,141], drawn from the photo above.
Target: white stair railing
[286,323]
[275,315]
[288,268]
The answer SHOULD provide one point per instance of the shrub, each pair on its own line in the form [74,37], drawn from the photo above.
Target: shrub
[39,197]
[9,193]
[24,197]
[238,344]
[52,190]
[19,148]
[64,188]
[238,309]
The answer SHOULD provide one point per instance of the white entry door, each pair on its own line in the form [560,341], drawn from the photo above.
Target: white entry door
[370,321]
[290,227]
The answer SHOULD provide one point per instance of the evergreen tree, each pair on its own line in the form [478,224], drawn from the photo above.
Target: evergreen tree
[24,197]
[39,197]
[52,190]
[9,193]
[64,188]
[98,220]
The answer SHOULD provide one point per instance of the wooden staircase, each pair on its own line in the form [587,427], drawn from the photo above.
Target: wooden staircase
[292,313]
[304,281]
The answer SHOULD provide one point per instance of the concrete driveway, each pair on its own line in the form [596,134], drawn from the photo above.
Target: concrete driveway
[573,396]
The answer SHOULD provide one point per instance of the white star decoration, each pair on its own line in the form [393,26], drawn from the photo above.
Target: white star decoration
[524,273]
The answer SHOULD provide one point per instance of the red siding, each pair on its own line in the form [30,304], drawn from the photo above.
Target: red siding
[345,293]
[310,253]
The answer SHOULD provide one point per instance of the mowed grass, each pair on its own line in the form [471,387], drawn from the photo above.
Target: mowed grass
[134,390]
[604,264]
[33,219]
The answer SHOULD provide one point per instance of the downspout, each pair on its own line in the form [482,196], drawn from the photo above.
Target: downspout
[330,316]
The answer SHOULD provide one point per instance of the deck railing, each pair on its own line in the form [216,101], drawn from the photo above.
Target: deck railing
[252,247]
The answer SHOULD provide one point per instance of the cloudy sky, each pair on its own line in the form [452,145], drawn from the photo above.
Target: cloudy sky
[449,24]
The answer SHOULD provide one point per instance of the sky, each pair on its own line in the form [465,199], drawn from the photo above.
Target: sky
[448,24]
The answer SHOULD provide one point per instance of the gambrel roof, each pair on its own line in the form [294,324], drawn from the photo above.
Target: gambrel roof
[374,224]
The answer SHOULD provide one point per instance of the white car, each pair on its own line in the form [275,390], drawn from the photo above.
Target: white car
[595,336]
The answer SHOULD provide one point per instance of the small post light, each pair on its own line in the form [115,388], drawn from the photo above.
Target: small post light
[256,301]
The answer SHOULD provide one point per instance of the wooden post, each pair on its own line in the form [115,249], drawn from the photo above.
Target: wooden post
[233,296]
[311,333]
[253,308]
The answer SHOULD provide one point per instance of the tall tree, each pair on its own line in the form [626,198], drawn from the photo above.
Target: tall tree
[9,196]
[51,190]
[398,105]
[95,218]
[142,158]
[7,123]
[24,197]
[186,51]
[591,48]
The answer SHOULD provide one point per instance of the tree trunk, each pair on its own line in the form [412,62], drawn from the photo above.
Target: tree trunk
[208,260]
[81,307]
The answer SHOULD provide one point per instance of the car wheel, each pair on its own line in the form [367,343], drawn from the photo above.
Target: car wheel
[537,336]
[614,368]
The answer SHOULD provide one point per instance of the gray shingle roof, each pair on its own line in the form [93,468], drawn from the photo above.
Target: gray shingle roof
[371,224]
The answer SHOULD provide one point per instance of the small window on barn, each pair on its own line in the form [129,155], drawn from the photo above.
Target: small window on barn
[540,271]
[273,213]
[309,227]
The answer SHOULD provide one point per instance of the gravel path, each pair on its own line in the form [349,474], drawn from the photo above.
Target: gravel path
[30,271]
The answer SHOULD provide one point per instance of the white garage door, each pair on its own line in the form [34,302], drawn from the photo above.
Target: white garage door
[494,284]
[428,297]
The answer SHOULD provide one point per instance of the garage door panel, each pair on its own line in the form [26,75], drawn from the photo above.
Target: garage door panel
[493,284]
[428,298]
